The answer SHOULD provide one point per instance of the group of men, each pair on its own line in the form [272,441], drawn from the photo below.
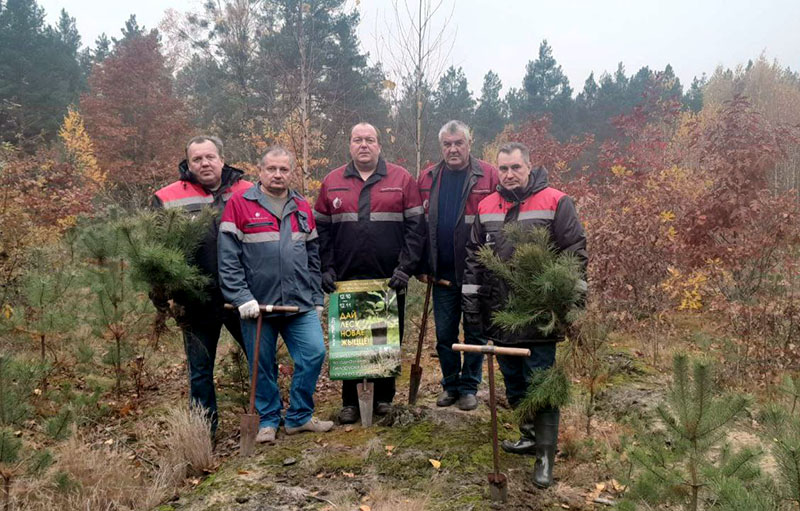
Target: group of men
[371,220]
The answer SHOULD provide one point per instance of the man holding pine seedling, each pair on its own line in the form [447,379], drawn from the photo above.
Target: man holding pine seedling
[525,271]
[205,181]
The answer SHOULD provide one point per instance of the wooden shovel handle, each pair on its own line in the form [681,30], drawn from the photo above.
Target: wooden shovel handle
[494,350]
[269,308]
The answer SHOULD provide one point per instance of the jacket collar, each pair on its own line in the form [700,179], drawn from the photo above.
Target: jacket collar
[474,168]
[351,171]
[254,193]
[537,181]
[230,175]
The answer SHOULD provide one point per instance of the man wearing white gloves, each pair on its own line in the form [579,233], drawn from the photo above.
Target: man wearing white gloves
[269,255]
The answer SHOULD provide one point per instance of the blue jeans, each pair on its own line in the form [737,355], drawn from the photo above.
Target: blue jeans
[302,334]
[457,377]
[200,339]
[517,370]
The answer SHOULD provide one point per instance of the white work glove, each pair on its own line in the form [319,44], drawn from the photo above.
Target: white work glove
[249,310]
[319,309]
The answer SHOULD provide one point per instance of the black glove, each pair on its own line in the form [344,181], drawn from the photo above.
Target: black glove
[329,281]
[399,279]
[160,301]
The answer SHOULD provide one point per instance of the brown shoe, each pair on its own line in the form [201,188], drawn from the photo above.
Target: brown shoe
[313,424]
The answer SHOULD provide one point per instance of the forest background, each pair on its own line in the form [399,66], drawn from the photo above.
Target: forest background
[687,193]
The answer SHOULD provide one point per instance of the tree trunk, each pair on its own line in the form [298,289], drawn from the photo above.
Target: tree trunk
[419,93]
[304,120]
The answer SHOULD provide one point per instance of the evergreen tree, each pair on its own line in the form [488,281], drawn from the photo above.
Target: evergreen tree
[682,464]
[452,98]
[491,114]
[546,90]
[693,100]
[39,73]
[543,283]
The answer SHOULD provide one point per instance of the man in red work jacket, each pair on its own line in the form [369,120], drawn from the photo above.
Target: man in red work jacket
[524,197]
[451,191]
[371,226]
[205,181]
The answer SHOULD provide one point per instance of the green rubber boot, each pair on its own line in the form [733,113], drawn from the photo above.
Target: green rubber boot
[545,425]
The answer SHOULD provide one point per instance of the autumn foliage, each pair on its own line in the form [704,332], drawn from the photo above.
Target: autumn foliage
[137,124]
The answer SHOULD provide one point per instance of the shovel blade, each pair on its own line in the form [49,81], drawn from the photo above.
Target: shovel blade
[247,433]
[498,487]
[414,380]
[365,393]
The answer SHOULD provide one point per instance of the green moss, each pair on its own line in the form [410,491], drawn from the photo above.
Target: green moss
[207,484]
[421,435]
[340,461]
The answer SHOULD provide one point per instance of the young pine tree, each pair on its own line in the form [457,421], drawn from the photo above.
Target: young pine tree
[688,462]
[543,293]
[118,308]
[160,246]
[543,283]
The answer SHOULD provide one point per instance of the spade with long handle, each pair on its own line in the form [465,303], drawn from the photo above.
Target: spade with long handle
[415,378]
[498,482]
[248,427]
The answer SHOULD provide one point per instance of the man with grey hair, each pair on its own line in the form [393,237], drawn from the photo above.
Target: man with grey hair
[205,181]
[269,255]
[451,191]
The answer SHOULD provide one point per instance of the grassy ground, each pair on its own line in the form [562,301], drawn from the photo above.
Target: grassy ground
[423,457]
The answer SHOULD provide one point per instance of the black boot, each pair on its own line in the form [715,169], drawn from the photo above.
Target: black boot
[545,425]
[526,443]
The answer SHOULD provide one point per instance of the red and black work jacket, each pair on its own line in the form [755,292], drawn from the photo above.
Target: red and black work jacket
[268,257]
[367,229]
[481,181]
[187,193]
[482,292]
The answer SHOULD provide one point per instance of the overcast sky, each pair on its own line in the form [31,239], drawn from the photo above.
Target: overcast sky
[588,35]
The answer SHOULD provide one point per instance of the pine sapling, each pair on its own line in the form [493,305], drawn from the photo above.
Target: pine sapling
[543,283]
[680,462]
[783,429]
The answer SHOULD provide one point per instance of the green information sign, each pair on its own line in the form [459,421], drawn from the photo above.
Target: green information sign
[363,330]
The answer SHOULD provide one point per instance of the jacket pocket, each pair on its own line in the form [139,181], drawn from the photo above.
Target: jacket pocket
[259,224]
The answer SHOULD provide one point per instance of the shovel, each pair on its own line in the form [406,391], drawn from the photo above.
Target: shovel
[416,369]
[248,428]
[366,390]
[498,482]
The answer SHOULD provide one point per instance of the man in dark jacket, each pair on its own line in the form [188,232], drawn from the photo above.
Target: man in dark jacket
[451,191]
[269,255]
[523,197]
[370,220]
[205,181]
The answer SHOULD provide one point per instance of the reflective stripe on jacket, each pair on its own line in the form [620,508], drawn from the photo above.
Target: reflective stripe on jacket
[537,205]
[369,228]
[270,259]
[481,182]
